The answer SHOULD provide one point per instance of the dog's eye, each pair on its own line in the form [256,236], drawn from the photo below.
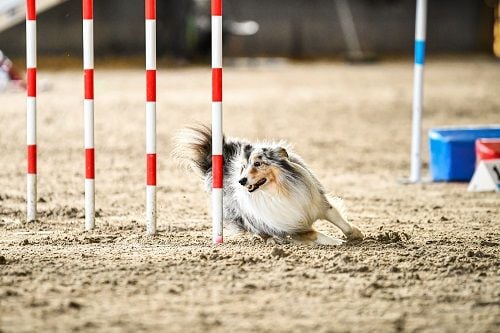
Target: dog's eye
[257,164]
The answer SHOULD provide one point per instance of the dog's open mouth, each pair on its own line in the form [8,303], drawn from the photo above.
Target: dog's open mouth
[255,187]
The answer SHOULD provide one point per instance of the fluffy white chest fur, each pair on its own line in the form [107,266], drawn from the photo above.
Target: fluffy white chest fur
[289,213]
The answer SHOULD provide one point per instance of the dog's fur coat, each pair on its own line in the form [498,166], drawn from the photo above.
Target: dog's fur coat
[268,189]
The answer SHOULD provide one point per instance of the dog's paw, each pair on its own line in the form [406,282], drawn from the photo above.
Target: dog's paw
[355,235]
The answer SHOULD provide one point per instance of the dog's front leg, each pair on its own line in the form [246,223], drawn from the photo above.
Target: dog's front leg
[351,231]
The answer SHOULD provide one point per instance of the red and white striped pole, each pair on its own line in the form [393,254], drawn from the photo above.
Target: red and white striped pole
[217,155]
[31,196]
[88,111]
[150,116]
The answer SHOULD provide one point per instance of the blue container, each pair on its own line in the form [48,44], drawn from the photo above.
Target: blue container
[452,151]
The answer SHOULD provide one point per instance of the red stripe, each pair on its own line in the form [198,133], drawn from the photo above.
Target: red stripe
[31,81]
[217,84]
[217,171]
[30,10]
[88,9]
[151,85]
[151,169]
[32,159]
[150,9]
[89,163]
[216,7]
[88,77]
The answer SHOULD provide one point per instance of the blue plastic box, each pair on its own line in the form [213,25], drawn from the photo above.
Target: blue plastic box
[452,151]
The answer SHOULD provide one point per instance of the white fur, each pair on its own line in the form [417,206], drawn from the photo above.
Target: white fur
[291,213]
[275,211]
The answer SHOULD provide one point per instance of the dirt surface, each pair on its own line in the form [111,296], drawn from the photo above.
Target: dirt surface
[430,262]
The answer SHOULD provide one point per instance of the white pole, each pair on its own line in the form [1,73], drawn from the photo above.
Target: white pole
[348,28]
[418,86]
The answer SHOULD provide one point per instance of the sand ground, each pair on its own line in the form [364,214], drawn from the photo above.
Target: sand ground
[430,262]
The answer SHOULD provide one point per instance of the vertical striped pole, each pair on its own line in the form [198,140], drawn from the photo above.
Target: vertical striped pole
[217,158]
[88,111]
[418,86]
[31,197]
[150,116]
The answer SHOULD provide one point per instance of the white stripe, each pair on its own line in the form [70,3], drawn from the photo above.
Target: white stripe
[31,197]
[150,44]
[151,210]
[88,44]
[416,143]
[88,120]
[150,127]
[31,120]
[217,213]
[421,20]
[89,204]
[216,41]
[30,43]
[217,128]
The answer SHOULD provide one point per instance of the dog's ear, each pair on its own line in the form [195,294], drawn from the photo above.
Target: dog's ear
[281,152]
[246,150]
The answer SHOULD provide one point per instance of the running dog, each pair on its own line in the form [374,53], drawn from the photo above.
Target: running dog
[268,189]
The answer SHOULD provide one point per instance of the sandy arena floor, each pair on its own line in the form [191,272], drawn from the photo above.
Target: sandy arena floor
[430,262]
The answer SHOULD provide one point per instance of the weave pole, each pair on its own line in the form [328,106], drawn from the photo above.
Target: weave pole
[217,155]
[31,196]
[150,116]
[88,111]
[418,93]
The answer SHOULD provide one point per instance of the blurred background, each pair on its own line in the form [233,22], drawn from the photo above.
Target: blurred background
[300,29]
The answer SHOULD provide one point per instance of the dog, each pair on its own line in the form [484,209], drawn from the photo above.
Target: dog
[268,190]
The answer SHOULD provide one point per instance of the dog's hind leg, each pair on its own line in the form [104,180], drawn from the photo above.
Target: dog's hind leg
[315,237]
[335,214]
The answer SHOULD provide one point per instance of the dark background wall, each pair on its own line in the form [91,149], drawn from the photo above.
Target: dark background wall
[297,28]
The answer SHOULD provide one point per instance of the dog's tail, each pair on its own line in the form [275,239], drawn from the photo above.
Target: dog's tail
[193,149]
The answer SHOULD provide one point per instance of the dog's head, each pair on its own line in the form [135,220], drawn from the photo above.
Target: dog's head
[261,166]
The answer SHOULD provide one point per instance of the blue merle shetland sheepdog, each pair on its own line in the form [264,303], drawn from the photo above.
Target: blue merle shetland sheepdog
[268,189]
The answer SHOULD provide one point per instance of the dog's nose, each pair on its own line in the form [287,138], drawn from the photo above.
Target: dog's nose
[243,181]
